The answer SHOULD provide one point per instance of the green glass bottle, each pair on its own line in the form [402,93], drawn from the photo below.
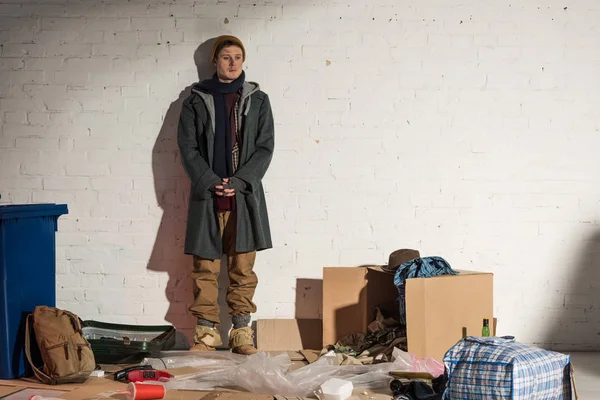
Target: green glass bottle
[485,331]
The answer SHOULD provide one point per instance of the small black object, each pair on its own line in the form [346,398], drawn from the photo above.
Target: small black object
[122,374]
[418,390]
[397,387]
[439,384]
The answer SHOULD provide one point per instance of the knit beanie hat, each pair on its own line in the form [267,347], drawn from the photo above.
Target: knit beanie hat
[225,38]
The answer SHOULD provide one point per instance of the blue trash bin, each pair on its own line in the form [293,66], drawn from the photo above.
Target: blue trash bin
[27,275]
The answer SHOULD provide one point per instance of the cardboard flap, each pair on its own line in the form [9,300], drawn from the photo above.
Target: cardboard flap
[288,334]
[310,355]
[350,297]
[344,302]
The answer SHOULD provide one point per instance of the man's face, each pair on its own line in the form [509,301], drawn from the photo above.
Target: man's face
[229,63]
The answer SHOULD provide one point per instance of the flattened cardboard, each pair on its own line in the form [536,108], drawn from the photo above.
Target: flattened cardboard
[31,383]
[87,394]
[288,334]
[219,395]
[6,390]
[27,393]
[437,308]
[101,388]
[91,387]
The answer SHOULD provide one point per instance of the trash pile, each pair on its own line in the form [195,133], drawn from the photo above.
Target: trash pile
[263,373]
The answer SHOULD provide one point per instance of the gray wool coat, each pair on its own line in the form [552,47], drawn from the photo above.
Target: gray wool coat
[196,144]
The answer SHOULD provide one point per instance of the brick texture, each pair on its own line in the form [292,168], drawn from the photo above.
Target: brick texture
[468,131]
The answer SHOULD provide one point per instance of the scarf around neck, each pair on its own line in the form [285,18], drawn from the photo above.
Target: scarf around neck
[222,156]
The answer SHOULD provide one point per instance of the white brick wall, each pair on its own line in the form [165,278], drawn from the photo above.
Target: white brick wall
[468,131]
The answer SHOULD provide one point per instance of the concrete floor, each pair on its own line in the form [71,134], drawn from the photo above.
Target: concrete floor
[587,375]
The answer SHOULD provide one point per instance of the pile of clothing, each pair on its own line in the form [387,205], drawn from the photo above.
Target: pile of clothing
[383,335]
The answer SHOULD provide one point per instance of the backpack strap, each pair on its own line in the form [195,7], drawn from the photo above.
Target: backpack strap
[42,377]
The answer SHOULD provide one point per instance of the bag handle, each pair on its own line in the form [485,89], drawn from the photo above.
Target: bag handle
[573,381]
[38,374]
[491,341]
[74,321]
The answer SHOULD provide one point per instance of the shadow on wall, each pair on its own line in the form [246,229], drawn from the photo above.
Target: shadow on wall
[578,325]
[309,312]
[172,186]
[309,298]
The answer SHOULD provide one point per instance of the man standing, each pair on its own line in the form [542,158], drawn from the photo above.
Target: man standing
[226,141]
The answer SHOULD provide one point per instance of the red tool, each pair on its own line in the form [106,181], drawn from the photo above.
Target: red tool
[148,375]
[142,373]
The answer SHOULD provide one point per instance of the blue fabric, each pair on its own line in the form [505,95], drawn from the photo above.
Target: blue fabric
[418,268]
[500,368]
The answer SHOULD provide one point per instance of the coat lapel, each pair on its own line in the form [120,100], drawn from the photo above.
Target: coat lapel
[209,102]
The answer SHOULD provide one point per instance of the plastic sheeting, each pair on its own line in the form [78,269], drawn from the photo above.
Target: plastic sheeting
[262,373]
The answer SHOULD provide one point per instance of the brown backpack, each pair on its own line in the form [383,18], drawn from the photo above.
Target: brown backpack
[67,355]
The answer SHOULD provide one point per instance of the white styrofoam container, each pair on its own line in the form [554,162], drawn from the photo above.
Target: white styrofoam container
[336,389]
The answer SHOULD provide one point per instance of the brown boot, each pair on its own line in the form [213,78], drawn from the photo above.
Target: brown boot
[241,341]
[206,339]
[201,347]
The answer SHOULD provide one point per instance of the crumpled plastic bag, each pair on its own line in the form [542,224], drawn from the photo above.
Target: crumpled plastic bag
[262,373]
[427,364]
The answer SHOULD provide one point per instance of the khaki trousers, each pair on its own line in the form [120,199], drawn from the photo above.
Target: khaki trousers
[242,279]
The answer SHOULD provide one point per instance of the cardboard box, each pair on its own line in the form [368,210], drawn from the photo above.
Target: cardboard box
[437,308]
[289,334]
